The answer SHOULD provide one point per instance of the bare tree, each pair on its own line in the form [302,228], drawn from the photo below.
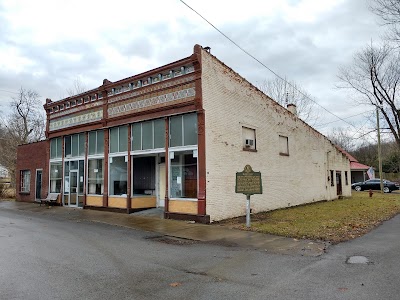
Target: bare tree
[374,77]
[389,12]
[26,123]
[77,87]
[342,138]
[285,93]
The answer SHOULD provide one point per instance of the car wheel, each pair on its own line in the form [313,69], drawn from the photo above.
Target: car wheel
[386,189]
[357,188]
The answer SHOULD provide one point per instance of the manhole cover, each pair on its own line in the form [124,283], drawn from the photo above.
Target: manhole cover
[358,260]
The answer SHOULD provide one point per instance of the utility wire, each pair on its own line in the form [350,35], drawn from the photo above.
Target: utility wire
[261,63]
[321,125]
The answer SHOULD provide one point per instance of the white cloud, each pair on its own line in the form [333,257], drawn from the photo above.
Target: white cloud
[46,44]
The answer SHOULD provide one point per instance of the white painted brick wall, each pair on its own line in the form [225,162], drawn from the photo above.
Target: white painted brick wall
[230,102]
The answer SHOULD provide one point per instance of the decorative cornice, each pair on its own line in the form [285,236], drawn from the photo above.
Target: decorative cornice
[128,106]
[82,118]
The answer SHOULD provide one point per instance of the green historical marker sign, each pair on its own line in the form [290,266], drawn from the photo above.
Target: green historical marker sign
[248,182]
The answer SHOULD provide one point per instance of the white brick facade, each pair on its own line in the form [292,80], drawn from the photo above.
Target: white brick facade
[230,103]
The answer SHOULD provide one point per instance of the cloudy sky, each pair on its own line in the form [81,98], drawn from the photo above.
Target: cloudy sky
[46,45]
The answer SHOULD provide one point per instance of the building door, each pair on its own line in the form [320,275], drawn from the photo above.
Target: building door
[73,188]
[339,183]
[38,184]
[161,185]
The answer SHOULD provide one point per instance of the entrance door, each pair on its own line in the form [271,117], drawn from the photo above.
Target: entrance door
[161,185]
[38,184]
[339,183]
[73,188]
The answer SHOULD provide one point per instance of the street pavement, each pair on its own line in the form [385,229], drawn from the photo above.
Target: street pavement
[180,229]
[57,253]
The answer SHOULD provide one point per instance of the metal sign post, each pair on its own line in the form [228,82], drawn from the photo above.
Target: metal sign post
[248,211]
[249,183]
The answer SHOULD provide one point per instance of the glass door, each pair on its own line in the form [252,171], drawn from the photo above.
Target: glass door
[73,188]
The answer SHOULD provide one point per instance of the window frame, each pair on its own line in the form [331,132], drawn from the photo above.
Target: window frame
[195,154]
[25,188]
[97,158]
[153,149]
[78,139]
[282,139]
[111,157]
[182,122]
[246,136]
[96,143]
[118,139]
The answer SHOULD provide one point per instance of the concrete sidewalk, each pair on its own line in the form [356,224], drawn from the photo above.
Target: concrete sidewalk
[180,229]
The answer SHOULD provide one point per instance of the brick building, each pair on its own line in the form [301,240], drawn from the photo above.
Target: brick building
[174,137]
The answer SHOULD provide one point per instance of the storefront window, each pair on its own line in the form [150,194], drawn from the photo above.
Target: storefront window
[183,176]
[118,175]
[96,176]
[55,177]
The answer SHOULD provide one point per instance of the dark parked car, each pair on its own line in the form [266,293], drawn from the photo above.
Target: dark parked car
[375,184]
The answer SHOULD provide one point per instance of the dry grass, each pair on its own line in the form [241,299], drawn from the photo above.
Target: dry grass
[333,221]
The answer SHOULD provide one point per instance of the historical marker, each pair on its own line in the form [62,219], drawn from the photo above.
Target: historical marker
[249,183]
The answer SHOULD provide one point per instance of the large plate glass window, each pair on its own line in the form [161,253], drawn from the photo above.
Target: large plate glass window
[55,177]
[118,175]
[96,176]
[183,174]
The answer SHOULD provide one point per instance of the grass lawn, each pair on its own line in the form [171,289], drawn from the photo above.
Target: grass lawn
[334,221]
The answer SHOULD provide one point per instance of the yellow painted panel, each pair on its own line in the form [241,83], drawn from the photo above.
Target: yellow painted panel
[143,202]
[180,206]
[118,202]
[94,200]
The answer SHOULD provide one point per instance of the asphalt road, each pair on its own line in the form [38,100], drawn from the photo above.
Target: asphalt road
[48,257]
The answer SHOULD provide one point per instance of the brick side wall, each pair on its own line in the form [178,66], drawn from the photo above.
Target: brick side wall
[230,102]
[32,157]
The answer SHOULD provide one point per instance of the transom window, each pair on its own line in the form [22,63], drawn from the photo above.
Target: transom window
[119,139]
[148,135]
[183,130]
[55,148]
[96,142]
[74,145]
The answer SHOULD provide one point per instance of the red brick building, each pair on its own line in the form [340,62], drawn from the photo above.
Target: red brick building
[32,171]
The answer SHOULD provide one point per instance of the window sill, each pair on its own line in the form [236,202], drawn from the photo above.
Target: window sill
[24,193]
[283,154]
[249,150]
